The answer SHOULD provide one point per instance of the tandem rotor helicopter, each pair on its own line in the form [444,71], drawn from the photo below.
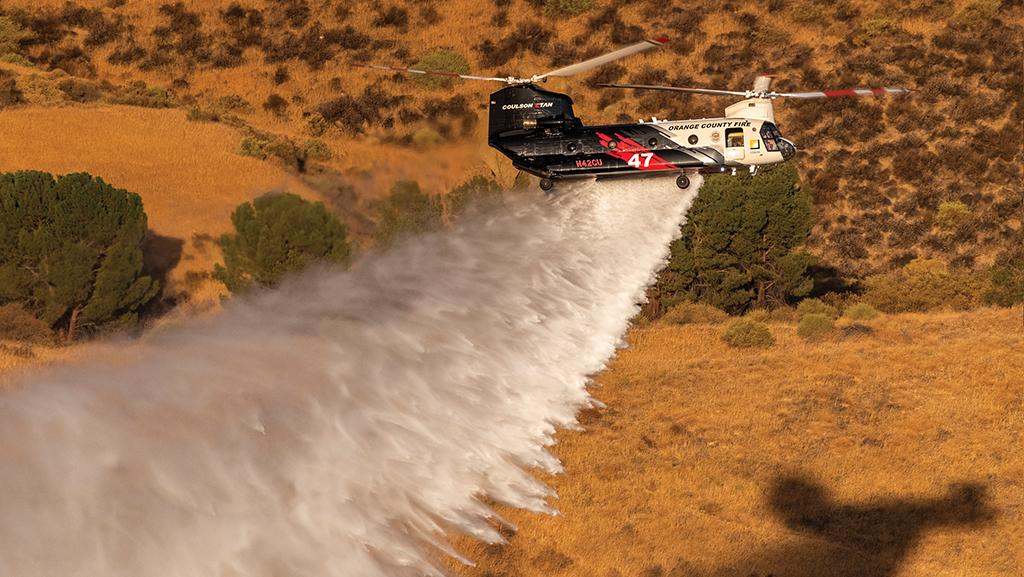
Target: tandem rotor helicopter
[537,130]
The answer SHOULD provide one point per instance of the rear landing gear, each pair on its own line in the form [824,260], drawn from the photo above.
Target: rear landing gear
[682,181]
[546,184]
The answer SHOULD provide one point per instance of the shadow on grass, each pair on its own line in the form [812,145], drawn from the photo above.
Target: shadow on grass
[869,539]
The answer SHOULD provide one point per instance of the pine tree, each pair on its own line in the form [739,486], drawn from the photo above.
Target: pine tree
[70,250]
[740,244]
[277,234]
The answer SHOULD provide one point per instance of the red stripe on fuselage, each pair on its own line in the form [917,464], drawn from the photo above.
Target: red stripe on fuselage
[626,148]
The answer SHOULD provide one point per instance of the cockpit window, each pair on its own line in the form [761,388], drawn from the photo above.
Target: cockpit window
[734,137]
[770,135]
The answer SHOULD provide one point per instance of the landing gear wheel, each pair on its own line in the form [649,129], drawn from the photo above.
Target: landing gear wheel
[546,184]
[682,181]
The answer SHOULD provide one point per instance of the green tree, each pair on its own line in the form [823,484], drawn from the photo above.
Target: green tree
[70,250]
[740,244]
[277,234]
[407,210]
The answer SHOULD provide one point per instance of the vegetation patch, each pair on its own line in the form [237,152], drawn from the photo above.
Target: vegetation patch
[277,234]
[860,312]
[70,251]
[442,60]
[746,333]
[815,326]
[407,210]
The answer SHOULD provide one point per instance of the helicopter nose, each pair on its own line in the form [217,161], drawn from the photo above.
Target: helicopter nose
[787,148]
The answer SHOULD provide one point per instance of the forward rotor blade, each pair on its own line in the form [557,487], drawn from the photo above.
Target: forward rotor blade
[842,93]
[431,72]
[677,89]
[586,65]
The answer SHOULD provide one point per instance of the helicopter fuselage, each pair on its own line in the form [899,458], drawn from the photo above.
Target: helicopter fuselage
[537,130]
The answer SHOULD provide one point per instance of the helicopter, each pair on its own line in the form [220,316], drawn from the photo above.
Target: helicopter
[538,131]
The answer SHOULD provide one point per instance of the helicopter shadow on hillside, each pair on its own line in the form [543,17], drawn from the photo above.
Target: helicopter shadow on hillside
[858,539]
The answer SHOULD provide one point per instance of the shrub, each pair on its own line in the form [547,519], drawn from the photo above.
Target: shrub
[444,61]
[10,94]
[137,93]
[1006,278]
[860,312]
[70,250]
[407,210]
[952,214]
[473,190]
[758,315]
[815,326]
[567,7]
[253,146]
[426,138]
[17,324]
[691,313]
[816,307]
[783,315]
[745,333]
[923,285]
[277,234]
[316,149]
[11,35]
[276,105]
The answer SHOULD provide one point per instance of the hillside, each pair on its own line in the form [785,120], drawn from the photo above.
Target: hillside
[874,455]
[879,170]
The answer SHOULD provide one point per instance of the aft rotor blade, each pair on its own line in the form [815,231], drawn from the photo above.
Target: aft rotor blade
[711,91]
[431,72]
[842,93]
[586,65]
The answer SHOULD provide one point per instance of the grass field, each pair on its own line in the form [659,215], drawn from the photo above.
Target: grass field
[890,454]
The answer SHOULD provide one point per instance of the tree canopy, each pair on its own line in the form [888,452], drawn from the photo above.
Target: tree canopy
[740,246]
[277,234]
[70,250]
[407,210]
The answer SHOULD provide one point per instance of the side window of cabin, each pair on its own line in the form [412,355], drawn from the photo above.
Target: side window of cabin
[733,137]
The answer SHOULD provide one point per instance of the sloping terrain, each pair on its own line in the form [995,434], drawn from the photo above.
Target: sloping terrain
[875,455]
[879,169]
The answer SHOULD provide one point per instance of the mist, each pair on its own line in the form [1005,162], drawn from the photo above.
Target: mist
[346,423]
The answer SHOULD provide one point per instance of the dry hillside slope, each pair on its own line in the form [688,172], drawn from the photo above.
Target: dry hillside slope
[880,455]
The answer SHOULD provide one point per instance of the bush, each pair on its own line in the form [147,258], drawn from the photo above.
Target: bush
[407,210]
[952,214]
[276,105]
[745,333]
[473,190]
[277,234]
[137,93]
[70,250]
[691,313]
[316,149]
[444,61]
[1006,278]
[17,324]
[816,306]
[923,285]
[11,35]
[567,7]
[10,94]
[815,326]
[426,138]
[860,312]
[254,147]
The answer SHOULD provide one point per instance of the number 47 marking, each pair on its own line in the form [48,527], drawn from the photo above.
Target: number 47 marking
[635,161]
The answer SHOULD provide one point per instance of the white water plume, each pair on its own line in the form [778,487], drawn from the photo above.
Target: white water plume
[337,425]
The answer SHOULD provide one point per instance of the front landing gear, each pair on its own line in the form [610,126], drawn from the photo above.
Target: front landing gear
[683,181]
[546,184]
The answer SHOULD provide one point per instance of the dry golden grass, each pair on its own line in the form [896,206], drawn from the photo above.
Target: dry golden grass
[672,478]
